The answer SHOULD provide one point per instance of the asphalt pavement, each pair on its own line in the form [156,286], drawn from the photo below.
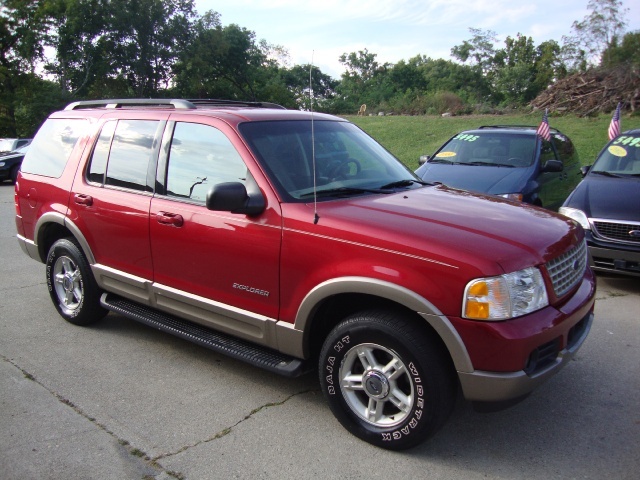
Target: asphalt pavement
[119,400]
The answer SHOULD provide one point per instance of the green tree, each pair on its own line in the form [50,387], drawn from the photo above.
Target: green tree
[479,50]
[363,82]
[548,64]
[627,51]
[117,47]
[81,42]
[515,70]
[23,29]
[302,80]
[594,34]
[228,62]
[409,75]
[148,37]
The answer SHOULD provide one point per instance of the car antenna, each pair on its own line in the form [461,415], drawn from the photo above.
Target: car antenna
[316,217]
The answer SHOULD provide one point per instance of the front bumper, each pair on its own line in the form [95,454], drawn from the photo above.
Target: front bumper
[511,358]
[612,260]
[480,386]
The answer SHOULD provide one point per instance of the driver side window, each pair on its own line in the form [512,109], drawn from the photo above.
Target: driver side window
[201,156]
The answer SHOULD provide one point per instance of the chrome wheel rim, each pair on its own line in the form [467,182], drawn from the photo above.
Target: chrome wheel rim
[67,282]
[376,385]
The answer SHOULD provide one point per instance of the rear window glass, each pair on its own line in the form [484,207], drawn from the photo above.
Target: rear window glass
[52,147]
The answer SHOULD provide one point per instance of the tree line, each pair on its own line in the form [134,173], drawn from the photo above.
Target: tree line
[53,52]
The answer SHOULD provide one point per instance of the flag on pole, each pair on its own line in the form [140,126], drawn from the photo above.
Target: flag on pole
[614,126]
[543,129]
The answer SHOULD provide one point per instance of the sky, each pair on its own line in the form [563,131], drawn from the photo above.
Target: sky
[320,31]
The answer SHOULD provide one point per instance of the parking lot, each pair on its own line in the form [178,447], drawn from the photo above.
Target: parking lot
[119,400]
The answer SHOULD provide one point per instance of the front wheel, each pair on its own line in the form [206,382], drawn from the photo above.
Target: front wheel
[386,380]
[72,288]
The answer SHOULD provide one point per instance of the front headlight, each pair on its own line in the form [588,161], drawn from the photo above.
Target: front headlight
[507,296]
[1,164]
[575,214]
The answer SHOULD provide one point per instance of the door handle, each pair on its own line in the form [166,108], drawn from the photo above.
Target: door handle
[82,199]
[168,218]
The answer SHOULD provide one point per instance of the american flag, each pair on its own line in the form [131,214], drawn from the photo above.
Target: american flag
[614,126]
[543,129]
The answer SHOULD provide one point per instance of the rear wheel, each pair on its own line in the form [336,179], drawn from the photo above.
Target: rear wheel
[386,380]
[72,288]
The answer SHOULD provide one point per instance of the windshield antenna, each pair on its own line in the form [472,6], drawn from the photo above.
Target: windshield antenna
[316,217]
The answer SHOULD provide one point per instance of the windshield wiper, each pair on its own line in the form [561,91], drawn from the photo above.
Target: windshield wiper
[481,164]
[440,160]
[403,183]
[604,173]
[342,191]
[508,165]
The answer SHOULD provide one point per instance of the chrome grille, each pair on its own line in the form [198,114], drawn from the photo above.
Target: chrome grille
[616,231]
[567,269]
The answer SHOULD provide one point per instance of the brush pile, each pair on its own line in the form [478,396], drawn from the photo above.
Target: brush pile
[593,92]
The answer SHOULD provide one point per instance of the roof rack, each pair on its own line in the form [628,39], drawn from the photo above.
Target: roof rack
[176,103]
[516,127]
[212,102]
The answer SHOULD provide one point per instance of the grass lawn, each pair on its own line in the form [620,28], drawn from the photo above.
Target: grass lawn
[409,137]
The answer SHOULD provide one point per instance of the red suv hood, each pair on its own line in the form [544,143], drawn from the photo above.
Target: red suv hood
[452,226]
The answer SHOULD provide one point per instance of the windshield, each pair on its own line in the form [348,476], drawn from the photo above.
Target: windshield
[347,160]
[620,157]
[490,148]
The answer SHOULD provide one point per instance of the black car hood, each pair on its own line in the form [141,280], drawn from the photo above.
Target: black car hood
[608,197]
[484,179]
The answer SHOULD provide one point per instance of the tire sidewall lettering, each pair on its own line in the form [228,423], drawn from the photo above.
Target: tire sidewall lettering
[330,365]
[413,422]
[333,360]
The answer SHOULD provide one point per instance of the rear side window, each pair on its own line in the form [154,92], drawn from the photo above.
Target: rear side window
[123,153]
[98,165]
[52,147]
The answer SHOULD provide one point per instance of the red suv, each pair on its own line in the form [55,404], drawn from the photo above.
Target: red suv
[293,241]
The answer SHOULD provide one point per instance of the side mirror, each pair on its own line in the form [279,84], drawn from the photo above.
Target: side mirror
[552,166]
[423,159]
[233,197]
[584,170]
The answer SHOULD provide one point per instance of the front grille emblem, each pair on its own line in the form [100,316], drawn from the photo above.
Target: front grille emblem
[635,233]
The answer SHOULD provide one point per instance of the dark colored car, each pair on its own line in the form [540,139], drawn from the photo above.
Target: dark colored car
[293,241]
[607,205]
[10,163]
[510,161]
[11,144]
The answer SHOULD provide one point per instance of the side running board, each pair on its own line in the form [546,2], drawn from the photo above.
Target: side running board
[256,355]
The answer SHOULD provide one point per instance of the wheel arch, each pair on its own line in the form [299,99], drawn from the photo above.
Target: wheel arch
[330,302]
[53,226]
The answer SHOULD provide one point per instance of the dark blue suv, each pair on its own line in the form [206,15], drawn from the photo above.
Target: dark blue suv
[607,205]
[510,161]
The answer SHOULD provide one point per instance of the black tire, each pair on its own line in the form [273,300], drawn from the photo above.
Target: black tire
[72,288]
[386,380]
